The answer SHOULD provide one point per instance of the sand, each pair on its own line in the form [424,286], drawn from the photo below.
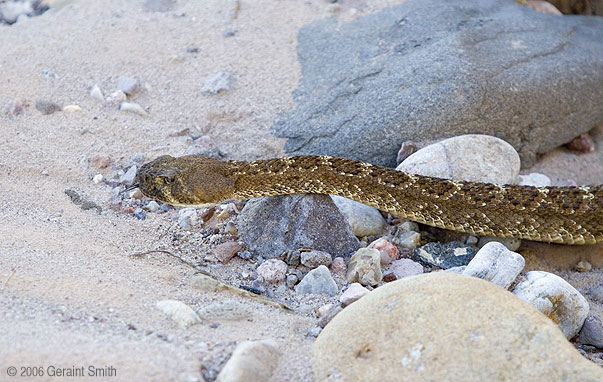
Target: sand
[71,295]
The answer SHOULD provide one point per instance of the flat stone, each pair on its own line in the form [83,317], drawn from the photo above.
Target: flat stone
[471,157]
[365,267]
[313,259]
[272,226]
[318,281]
[405,268]
[445,255]
[556,299]
[364,220]
[227,250]
[495,263]
[445,327]
[251,361]
[178,311]
[425,70]
[217,82]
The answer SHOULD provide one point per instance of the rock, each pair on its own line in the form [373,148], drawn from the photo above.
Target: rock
[100,161]
[542,7]
[315,331]
[456,270]
[512,243]
[404,337]
[187,218]
[217,82]
[129,85]
[133,107]
[272,226]
[130,176]
[72,109]
[272,271]
[338,266]
[597,293]
[153,206]
[592,332]
[424,70]
[534,179]
[353,293]
[495,263]
[226,251]
[404,268]
[97,94]
[120,96]
[364,220]
[408,239]
[98,178]
[445,255]
[178,311]
[224,310]
[291,280]
[328,315]
[313,259]
[47,107]
[583,266]
[251,361]
[228,33]
[10,11]
[318,281]
[584,143]
[365,267]
[406,150]
[388,251]
[472,157]
[556,299]
[140,214]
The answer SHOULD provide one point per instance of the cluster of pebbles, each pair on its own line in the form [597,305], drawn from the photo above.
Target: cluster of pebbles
[316,282]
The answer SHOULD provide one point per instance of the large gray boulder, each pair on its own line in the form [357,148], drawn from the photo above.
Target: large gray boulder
[430,69]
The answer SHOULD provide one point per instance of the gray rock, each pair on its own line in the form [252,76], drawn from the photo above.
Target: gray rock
[534,179]
[556,299]
[129,177]
[405,268]
[47,107]
[313,259]
[271,226]
[597,293]
[217,82]
[128,85]
[592,332]
[364,220]
[407,239]
[445,327]
[495,263]
[445,255]
[187,218]
[429,69]
[152,206]
[471,157]
[251,361]
[365,267]
[318,281]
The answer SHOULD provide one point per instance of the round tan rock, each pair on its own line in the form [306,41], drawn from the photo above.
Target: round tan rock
[445,327]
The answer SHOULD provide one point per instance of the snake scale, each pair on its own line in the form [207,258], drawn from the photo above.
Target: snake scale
[569,215]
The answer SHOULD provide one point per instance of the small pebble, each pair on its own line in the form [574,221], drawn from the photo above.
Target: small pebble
[445,255]
[135,194]
[178,311]
[47,107]
[318,281]
[313,259]
[140,214]
[72,108]
[409,226]
[187,218]
[191,49]
[404,268]
[228,33]
[353,293]
[315,331]
[389,277]
[129,177]
[128,85]
[534,179]
[365,267]
[583,143]
[408,239]
[272,271]
[406,150]
[16,107]
[118,95]
[100,161]
[338,266]
[97,178]
[497,264]
[591,332]
[251,361]
[583,266]
[292,280]
[389,252]
[152,206]
[97,94]
[133,107]
[44,172]
[226,251]
[230,228]
[217,82]
[245,255]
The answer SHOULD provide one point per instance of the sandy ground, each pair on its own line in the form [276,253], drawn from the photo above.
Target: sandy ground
[70,294]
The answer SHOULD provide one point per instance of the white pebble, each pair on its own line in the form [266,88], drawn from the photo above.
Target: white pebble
[364,220]
[133,107]
[272,271]
[178,311]
[251,361]
[534,179]
[217,82]
[495,263]
[97,178]
[72,108]
[129,176]
[353,293]
[187,218]
[153,206]
[96,93]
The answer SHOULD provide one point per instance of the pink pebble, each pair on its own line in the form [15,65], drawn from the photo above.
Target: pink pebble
[338,266]
[389,252]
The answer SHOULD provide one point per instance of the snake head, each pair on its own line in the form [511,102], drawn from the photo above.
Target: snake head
[190,180]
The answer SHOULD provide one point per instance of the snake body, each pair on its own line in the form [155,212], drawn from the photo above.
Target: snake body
[569,215]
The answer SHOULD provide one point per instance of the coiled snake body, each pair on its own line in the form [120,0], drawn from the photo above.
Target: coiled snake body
[569,215]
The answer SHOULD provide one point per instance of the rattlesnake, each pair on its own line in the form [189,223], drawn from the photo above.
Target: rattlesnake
[569,215]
